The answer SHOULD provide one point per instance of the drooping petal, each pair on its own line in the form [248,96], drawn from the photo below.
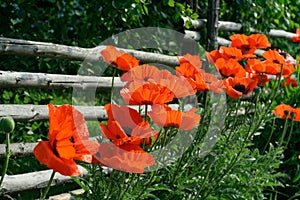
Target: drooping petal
[124,115]
[128,157]
[44,154]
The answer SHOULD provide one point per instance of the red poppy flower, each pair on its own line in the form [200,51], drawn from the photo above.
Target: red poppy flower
[146,94]
[240,41]
[288,81]
[258,41]
[284,110]
[274,61]
[126,126]
[200,83]
[189,66]
[216,86]
[239,86]
[192,60]
[231,53]
[69,141]
[179,85]
[124,115]
[140,73]
[212,56]
[164,116]
[297,37]
[230,68]
[255,66]
[129,157]
[261,79]
[123,61]
[138,135]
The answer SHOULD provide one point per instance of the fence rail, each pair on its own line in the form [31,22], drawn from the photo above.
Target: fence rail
[10,79]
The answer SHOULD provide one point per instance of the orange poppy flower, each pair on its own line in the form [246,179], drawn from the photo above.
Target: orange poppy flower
[255,66]
[140,73]
[138,135]
[239,86]
[262,79]
[288,69]
[129,157]
[288,81]
[193,60]
[212,56]
[69,141]
[200,83]
[179,85]
[126,126]
[164,116]
[258,41]
[230,53]
[216,86]
[240,41]
[189,66]
[284,110]
[297,37]
[230,68]
[274,61]
[123,61]
[124,115]
[146,94]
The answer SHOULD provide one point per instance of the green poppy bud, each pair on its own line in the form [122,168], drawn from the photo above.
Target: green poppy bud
[7,124]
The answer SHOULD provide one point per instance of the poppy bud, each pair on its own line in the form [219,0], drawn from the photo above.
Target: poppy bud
[293,115]
[7,124]
[286,112]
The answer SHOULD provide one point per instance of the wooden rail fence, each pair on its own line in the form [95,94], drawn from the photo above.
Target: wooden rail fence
[30,113]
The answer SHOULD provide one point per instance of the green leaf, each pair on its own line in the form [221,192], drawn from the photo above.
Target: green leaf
[171,3]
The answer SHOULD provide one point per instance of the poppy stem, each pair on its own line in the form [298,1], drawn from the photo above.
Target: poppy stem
[146,111]
[48,186]
[112,86]
[270,136]
[8,153]
[290,135]
[284,131]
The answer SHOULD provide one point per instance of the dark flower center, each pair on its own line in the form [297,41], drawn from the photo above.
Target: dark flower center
[54,149]
[241,88]
[72,139]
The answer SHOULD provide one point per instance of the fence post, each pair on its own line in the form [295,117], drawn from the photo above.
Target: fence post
[212,24]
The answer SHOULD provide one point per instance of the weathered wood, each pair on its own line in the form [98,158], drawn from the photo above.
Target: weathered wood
[35,180]
[18,149]
[9,46]
[237,27]
[29,112]
[212,24]
[67,196]
[50,81]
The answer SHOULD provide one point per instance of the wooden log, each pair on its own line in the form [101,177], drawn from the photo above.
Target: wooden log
[9,46]
[30,112]
[237,27]
[35,180]
[67,196]
[51,81]
[18,149]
